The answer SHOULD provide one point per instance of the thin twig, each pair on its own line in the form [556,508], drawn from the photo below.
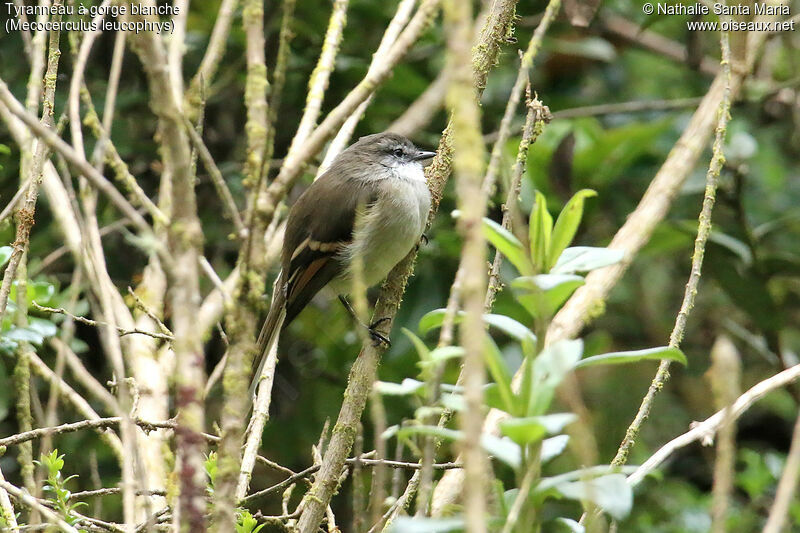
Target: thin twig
[636,106]
[98,324]
[214,173]
[303,474]
[12,204]
[214,52]
[94,423]
[706,429]
[787,486]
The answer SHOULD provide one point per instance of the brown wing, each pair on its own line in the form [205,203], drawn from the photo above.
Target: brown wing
[316,231]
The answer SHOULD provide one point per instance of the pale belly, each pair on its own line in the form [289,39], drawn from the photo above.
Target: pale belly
[382,242]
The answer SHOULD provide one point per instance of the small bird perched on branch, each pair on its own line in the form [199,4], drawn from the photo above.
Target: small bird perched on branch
[371,206]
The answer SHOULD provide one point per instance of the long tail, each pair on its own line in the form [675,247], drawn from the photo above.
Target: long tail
[270,331]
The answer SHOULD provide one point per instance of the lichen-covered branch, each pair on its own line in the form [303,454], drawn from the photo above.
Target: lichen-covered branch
[468,164]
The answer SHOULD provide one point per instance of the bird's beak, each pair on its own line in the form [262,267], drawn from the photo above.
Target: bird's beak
[424,157]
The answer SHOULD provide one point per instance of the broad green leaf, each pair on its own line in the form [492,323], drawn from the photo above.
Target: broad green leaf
[552,447]
[454,402]
[650,354]
[539,232]
[5,254]
[527,430]
[40,292]
[585,259]
[508,245]
[542,295]
[446,353]
[514,329]
[431,320]
[549,369]
[517,330]
[501,375]
[408,524]
[422,350]
[42,326]
[567,225]
[504,449]
[568,524]
[491,395]
[16,334]
[610,492]
[439,356]
[408,386]
[431,431]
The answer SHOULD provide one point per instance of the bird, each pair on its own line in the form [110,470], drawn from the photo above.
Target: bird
[370,205]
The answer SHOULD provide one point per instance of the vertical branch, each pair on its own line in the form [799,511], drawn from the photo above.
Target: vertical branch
[787,486]
[211,59]
[242,316]
[468,163]
[184,238]
[725,378]
[6,508]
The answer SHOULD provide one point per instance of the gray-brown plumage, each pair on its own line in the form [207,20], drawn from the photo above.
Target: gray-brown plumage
[372,203]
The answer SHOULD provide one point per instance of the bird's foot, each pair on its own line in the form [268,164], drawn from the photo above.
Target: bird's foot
[423,239]
[377,337]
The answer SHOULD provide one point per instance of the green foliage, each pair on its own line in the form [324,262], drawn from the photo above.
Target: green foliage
[530,434]
[245,523]
[56,487]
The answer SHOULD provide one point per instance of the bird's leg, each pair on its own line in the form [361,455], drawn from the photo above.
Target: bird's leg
[376,336]
[423,239]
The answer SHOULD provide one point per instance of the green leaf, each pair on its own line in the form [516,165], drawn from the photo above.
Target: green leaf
[570,525]
[5,254]
[408,386]
[431,320]
[434,319]
[539,232]
[445,353]
[408,524]
[549,369]
[504,449]
[567,225]
[552,447]
[585,259]
[501,375]
[422,350]
[508,245]
[650,354]
[543,294]
[439,356]
[40,292]
[454,402]
[610,492]
[514,329]
[527,430]
[23,335]
[42,326]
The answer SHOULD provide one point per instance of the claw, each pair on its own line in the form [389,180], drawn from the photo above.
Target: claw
[378,337]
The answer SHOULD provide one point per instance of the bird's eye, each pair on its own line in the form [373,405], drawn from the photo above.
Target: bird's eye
[398,152]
